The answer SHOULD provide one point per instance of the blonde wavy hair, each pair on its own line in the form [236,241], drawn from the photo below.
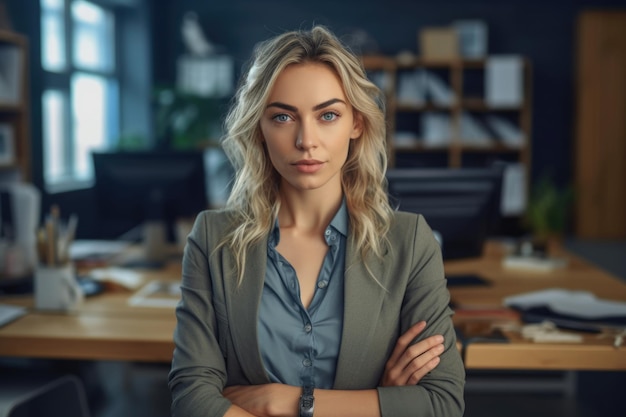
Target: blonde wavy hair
[254,198]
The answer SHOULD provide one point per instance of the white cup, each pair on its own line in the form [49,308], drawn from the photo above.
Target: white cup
[56,288]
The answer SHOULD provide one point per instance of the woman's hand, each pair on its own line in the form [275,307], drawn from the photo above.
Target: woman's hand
[265,400]
[408,364]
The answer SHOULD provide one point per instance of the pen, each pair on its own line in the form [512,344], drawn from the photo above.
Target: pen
[50,242]
[67,238]
[42,246]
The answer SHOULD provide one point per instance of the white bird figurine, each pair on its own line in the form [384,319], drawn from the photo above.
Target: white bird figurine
[193,36]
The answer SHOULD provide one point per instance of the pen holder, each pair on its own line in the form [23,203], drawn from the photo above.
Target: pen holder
[56,288]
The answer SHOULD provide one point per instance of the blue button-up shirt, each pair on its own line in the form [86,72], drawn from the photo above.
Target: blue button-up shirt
[300,346]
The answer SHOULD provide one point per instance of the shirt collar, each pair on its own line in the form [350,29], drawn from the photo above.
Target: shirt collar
[340,221]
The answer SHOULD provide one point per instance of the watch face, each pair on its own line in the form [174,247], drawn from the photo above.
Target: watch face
[307,402]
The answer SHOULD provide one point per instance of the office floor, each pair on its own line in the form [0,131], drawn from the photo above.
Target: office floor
[140,390]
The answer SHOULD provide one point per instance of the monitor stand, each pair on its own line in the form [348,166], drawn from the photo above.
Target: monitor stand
[154,246]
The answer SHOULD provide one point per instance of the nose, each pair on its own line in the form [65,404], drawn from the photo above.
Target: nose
[307,136]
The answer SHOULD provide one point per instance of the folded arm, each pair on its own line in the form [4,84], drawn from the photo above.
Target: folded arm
[406,366]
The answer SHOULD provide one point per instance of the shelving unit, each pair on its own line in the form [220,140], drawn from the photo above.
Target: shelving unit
[14,105]
[464,79]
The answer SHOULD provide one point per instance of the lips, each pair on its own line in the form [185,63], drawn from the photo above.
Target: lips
[308,166]
[308,162]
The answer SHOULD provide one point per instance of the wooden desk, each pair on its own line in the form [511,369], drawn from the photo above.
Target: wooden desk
[107,328]
[593,354]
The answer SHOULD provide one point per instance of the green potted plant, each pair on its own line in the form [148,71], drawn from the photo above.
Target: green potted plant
[548,211]
[185,121]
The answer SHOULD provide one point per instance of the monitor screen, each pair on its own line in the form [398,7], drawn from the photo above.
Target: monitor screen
[134,187]
[461,205]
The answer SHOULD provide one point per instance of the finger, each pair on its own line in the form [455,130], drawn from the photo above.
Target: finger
[418,375]
[405,340]
[421,365]
[418,349]
[422,346]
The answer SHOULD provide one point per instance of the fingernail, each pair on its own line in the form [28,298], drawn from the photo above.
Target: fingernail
[439,339]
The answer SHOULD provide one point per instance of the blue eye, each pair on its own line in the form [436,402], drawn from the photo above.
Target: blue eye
[329,116]
[282,118]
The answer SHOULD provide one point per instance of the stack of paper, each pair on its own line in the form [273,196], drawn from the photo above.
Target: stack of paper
[582,304]
[8,313]
[533,263]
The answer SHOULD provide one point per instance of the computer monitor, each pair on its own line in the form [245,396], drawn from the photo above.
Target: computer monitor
[141,188]
[461,205]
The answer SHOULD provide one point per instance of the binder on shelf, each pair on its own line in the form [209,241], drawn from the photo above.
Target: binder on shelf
[505,131]
[10,74]
[411,88]
[504,81]
[473,132]
[436,129]
[514,197]
[438,91]
[405,139]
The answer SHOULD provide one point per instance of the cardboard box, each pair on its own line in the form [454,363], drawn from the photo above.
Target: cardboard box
[439,43]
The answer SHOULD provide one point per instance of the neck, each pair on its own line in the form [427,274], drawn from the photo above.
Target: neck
[308,211]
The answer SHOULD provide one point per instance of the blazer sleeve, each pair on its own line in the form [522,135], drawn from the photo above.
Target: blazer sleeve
[440,392]
[198,373]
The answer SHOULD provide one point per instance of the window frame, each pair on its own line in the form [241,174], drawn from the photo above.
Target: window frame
[61,81]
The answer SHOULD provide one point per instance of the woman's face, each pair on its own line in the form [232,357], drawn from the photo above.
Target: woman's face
[307,127]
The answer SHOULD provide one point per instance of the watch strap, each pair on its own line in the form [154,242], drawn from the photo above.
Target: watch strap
[307,401]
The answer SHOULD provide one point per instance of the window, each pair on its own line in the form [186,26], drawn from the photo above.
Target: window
[80,99]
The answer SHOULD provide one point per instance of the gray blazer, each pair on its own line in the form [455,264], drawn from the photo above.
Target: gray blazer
[216,340]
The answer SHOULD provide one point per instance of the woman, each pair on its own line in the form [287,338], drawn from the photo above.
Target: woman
[308,295]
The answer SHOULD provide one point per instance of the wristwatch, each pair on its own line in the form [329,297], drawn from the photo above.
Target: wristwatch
[307,402]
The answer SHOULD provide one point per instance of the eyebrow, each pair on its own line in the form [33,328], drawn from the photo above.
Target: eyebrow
[315,108]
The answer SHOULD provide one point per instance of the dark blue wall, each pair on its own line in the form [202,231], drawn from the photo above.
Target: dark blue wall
[544,31]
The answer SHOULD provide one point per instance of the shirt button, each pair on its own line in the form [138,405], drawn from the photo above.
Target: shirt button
[307,362]
[327,232]
[322,284]
[308,328]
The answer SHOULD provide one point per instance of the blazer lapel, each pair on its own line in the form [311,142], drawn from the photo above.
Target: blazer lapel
[363,299]
[243,304]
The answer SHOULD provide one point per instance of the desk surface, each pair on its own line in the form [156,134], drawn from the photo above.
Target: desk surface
[594,353]
[105,327]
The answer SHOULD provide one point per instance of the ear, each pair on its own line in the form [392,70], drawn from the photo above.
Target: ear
[357,126]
